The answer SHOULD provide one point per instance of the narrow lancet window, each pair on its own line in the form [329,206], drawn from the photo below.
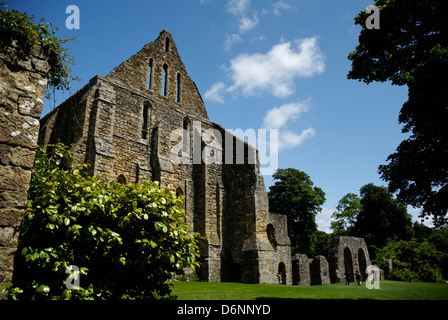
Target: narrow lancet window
[165,79]
[150,73]
[186,139]
[167,44]
[145,119]
[178,88]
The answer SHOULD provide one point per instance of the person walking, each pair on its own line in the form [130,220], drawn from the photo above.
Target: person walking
[347,278]
[358,277]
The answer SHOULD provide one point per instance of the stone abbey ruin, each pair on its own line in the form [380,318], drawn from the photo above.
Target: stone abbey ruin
[146,120]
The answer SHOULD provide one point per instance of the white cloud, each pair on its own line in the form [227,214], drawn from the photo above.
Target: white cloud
[289,139]
[247,23]
[276,70]
[277,117]
[231,40]
[258,38]
[281,5]
[238,7]
[215,93]
[323,220]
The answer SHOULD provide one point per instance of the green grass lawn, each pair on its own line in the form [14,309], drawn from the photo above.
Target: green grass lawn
[389,290]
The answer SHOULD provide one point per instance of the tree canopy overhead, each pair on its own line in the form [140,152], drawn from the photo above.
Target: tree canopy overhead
[411,48]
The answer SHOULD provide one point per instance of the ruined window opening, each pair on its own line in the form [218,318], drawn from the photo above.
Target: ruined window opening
[145,119]
[270,231]
[150,73]
[348,263]
[121,179]
[180,193]
[167,44]
[186,137]
[281,273]
[178,88]
[165,79]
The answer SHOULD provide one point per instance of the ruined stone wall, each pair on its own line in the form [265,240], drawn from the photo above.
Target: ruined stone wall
[127,132]
[348,254]
[320,271]
[301,271]
[22,89]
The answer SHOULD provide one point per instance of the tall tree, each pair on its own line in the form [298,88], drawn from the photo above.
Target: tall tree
[295,195]
[411,48]
[346,213]
[382,217]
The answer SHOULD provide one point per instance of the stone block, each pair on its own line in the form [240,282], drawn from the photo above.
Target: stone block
[301,273]
[14,178]
[16,156]
[320,271]
[8,236]
[10,216]
[18,130]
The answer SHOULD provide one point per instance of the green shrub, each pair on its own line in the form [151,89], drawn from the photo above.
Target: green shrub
[19,28]
[412,260]
[127,240]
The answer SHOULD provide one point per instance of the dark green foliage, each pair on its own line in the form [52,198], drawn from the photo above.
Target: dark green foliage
[322,243]
[411,48]
[346,214]
[439,238]
[18,27]
[412,260]
[294,195]
[127,240]
[382,217]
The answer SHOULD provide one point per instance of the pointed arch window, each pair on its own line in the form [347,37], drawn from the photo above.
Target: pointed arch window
[165,79]
[167,44]
[146,117]
[178,83]
[149,82]
[186,139]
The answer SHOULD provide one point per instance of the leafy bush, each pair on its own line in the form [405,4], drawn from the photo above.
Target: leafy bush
[127,240]
[412,260]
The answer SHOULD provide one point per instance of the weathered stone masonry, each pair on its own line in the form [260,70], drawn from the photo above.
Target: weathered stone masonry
[22,88]
[122,125]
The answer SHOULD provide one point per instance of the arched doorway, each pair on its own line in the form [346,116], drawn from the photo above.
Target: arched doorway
[121,179]
[281,273]
[348,263]
[362,263]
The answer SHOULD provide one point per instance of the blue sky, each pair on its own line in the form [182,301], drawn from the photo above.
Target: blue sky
[257,64]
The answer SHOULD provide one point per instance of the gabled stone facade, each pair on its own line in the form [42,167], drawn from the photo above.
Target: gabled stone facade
[146,120]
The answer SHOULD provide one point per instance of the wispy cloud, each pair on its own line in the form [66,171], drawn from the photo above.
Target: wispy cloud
[215,93]
[248,23]
[280,6]
[246,19]
[238,7]
[279,117]
[231,40]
